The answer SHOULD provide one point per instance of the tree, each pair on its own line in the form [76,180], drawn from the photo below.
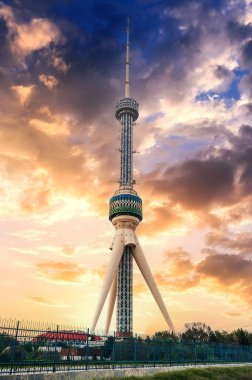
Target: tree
[240,336]
[165,335]
[6,346]
[108,347]
[6,341]
[197,332]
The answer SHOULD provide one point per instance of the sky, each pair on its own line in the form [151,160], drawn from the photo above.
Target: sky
[61,74]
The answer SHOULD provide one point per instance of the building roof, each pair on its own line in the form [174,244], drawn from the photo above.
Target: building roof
[66,336]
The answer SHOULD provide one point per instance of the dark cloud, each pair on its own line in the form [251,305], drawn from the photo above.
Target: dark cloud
[222,72]
[246,87]
[197,184]
[226,269]
[225,273]
[238,31]
[200,183]
[231,274]
[5,52]
[232,242]
[224,178]
[247,52]
[94,50]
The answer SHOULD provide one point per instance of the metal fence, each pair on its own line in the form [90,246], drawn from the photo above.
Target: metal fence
[28,347]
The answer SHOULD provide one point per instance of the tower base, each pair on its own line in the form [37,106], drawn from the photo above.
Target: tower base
[120,334]
[125,236]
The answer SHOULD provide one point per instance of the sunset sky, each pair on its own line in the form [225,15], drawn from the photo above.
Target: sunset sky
[61,73]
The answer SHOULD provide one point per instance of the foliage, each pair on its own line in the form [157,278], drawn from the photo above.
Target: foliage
[165,335]
[108,347]
[197,332]
[200,332]
[6,341]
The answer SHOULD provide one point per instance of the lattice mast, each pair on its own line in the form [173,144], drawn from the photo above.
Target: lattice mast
[126,113]
[125,213]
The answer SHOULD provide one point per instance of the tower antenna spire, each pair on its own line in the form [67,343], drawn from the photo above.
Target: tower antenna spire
[127,82]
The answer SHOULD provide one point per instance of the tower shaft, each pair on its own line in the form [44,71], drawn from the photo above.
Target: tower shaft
[124,325]
[126,172]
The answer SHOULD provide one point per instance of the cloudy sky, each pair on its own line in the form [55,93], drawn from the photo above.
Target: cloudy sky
[61,73]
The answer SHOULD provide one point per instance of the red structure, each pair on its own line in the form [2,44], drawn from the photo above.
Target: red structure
[63,336]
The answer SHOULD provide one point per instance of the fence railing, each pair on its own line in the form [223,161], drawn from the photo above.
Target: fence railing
[28,347]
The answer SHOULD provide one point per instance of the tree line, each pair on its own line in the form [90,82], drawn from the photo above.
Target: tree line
[200,332]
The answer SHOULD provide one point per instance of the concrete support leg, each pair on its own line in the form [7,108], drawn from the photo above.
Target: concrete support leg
[111,304]
[145,270]
[117,252]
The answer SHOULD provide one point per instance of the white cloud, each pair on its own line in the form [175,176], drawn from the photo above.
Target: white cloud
[26,38]
[48,80]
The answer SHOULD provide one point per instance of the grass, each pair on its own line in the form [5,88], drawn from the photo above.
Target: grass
[220,373]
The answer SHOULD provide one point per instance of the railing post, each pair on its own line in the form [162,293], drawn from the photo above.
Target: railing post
[113,352]
[169,352]
[154,353]
[87,349]
[221,351]
[135,349]
[14,348]
[55,349]
[195,353]
[213,353]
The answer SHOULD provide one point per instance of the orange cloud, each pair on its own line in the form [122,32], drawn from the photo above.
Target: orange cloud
[23,93]
[53,127]
[35,200]
[65,271]
[180,273]
[225,273]
[24,251]
[60,271]
[68,250]
[139,287]
[49,81]
[35,35]
[44,301]
[162,218]
[29,37]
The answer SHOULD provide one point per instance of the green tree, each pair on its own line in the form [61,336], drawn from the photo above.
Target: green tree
[197,332]
[166,335]
[6,346]
[240,336]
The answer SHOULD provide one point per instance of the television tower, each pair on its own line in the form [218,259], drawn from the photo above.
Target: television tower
[125,213]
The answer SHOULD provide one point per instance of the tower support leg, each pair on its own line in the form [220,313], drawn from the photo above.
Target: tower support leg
[111,304]
[117,252]
[146,272]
